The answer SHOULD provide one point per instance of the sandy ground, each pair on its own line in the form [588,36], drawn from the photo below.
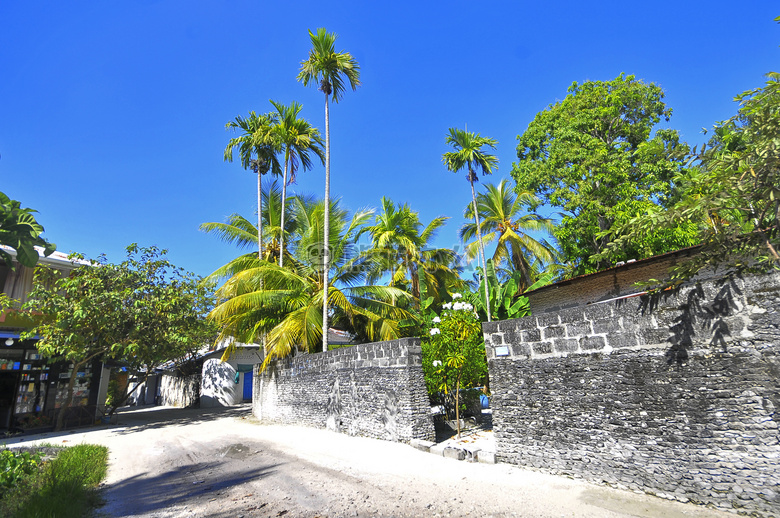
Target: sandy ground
[168,462]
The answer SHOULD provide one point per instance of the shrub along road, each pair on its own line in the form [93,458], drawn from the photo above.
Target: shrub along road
[167,462]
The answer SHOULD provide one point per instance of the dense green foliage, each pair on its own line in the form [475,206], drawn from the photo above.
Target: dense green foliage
[733,198]
[141,313]
[400,247]
[592,156]
[285,303]
[20,231]
[14,466]
[65,487]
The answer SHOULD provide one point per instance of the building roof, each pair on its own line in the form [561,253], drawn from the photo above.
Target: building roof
[56,259]
[633,263]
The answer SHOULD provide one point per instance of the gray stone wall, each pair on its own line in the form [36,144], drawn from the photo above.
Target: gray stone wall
[374,390]
[179,391]
[675,395]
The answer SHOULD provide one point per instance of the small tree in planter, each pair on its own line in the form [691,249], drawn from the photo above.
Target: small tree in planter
[454,352]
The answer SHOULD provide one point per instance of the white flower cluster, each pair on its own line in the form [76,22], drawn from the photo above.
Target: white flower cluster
[435,331]
[457,306]
[436,363]
[436,320]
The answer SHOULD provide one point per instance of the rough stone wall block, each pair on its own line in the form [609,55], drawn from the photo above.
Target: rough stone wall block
[374,390]
[676,396]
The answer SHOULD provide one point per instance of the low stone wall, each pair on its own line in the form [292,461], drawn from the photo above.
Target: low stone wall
[674,395]
[179,391]
[374,390]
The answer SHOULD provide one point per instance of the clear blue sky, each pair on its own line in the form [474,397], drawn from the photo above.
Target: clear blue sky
[112,114]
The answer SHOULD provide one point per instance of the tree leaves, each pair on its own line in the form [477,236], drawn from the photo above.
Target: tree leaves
[591,155]
[20,231]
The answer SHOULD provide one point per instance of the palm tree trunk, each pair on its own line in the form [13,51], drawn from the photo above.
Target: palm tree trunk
[521,264]
[326,232]
[481,245]
[259,217]
[284,198]
[260,231]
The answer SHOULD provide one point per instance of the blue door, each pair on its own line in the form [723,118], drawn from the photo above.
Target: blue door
[248,385]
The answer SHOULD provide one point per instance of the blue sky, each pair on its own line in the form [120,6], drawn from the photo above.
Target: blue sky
[112,114]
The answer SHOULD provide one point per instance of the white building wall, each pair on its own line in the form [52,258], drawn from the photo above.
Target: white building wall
[218,386]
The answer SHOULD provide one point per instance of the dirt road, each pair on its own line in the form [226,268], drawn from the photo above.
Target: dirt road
[222,463]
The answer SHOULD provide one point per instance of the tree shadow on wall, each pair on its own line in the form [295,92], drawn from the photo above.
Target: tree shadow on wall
[700,317]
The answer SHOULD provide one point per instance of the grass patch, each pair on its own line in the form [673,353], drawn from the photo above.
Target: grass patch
[65,487]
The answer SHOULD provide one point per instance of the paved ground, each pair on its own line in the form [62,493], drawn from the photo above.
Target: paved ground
[168,463]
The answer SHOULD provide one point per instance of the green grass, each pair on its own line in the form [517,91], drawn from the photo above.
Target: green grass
[65,487]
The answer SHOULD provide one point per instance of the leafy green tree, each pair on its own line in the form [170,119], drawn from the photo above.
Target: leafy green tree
[142,312]
[505,220]
[257,150]
[332,70]
[592,157]
[733,198]
[20,231]
[297,139]
[469,154]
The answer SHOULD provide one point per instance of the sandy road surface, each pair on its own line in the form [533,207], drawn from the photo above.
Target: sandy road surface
[168,462]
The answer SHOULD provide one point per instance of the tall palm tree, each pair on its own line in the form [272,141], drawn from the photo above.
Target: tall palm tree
[257,151]
[503,219]
[291,296]
[297,139]
[468,153]
[330,69]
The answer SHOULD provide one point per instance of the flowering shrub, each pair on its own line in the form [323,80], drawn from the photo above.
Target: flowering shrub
[453,353]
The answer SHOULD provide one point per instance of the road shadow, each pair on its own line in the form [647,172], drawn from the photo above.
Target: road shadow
[141,495]
[133,419]
[161,417]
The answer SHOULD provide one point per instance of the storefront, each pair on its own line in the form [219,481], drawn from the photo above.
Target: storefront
[32,389]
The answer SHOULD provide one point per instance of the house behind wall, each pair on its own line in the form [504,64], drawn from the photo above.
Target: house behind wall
[32,390]
[223,381]
[674,395]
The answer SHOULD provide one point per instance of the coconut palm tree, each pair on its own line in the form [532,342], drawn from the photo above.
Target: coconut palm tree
[297,140]
[241,232]
[257,151]
[330,70]
[291,296]
[395,229]
[504,219]
[403,249]
[468,153]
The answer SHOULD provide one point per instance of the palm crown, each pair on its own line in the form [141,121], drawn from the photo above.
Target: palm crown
[503,220]
[330,68]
